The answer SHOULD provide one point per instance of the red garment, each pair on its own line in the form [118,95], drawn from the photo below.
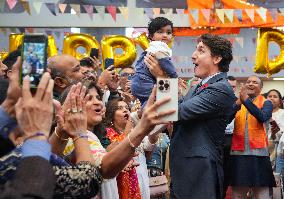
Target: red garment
[127,182]
[256,130]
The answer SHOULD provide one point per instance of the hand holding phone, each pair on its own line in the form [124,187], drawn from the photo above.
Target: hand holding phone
[274,127]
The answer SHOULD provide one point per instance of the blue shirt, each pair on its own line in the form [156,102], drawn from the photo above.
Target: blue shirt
[7,123]
[31,147]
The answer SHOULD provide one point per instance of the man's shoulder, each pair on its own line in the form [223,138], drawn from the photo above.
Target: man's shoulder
[222,84]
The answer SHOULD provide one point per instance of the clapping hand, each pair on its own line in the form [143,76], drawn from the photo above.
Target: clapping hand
[73,121]
[243,94]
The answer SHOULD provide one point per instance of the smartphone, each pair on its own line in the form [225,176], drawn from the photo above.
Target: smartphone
[273,123]
[168,87]
[108,62]
[94,52]
[34,56]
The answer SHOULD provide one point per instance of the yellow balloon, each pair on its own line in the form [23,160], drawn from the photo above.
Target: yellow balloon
[15,40]
[143,41]
[52,48]
[3,55]
[262,63]
[73,41]
[110,43]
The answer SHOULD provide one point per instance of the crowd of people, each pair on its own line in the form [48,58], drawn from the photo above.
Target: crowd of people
[88,133]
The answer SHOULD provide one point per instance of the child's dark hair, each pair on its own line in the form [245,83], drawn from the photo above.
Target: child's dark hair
[158,23]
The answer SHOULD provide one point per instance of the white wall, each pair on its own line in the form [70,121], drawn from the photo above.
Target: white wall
[268,85]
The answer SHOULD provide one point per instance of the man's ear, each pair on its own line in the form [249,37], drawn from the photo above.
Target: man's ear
[60,82]
[9,73]
[217,59]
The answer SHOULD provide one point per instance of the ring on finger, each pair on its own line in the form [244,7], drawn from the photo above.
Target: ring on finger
[80,110]
[156,115]
[74,110]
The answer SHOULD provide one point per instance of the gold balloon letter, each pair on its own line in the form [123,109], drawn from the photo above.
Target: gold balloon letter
[52,49]
[3,55]
[73,41]
[111,43]
[262,63]
[15,40]
[142,40]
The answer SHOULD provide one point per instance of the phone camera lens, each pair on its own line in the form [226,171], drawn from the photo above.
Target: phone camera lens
[161,82]
[161,88]
[167,85]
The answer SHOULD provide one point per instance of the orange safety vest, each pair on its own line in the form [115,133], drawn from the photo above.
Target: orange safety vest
[256,130]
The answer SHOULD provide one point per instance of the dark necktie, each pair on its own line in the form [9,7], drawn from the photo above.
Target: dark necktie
[197,87]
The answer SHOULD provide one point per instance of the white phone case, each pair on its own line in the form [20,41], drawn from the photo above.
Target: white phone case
[168,87]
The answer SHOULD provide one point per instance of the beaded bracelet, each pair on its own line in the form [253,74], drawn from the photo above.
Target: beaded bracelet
[81,135]
[36,135]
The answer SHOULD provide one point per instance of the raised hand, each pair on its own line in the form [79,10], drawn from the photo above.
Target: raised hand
[34,113]
[75,116]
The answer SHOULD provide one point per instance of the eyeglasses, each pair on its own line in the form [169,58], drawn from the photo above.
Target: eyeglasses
[126,74]
[123,107]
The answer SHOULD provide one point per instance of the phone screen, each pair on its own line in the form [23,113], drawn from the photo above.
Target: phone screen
[34,60]
[108,62]
[94,52]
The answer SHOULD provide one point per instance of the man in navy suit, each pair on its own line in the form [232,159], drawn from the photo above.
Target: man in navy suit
[198,137]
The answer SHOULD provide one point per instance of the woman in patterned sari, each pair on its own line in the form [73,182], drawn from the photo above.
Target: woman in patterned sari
[117,115]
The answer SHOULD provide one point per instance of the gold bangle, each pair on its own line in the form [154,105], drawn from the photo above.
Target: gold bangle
[130,143]
[61,138]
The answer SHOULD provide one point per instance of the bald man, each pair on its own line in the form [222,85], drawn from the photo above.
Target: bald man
[65,70]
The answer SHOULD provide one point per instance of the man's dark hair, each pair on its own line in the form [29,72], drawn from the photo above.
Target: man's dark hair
[219,47]
[231,78]
[12,58]
[158,23]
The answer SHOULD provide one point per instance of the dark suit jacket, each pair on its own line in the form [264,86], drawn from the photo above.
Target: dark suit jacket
[34,179]
[198,138]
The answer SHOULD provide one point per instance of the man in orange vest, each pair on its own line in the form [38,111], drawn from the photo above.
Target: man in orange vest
[250,163]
